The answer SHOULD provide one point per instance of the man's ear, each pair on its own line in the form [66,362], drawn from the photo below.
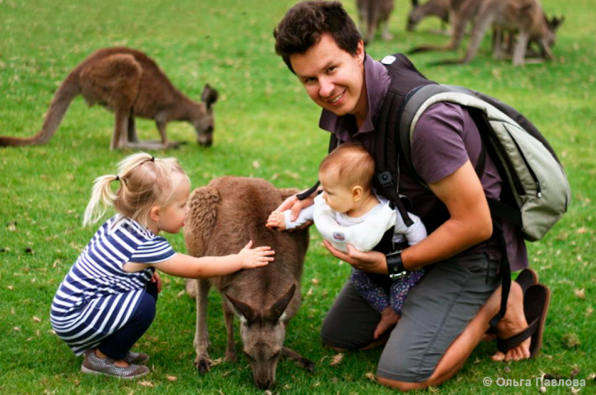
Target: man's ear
[154,213]
[360,54]
[357,193]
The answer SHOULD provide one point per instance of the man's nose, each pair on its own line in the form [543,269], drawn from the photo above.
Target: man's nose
[325,87]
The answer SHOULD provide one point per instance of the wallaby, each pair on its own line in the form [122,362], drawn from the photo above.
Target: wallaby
[223,216]
[373,14]
[438,8]
[130,84]
[461,12]
[523,16]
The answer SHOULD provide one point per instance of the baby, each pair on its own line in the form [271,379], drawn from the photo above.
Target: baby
[348,211]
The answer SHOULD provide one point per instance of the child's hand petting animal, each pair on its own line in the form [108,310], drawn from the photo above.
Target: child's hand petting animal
[276,220]
[255,257]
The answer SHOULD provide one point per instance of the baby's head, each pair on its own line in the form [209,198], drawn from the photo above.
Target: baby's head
[148,186]
[346,176]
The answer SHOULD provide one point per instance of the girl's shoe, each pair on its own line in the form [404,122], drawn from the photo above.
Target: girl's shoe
[136,358]
[95,365]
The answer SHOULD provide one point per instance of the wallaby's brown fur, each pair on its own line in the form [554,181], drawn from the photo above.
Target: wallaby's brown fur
[130,84]
[223,216]
[438,8]
[525,17]
[372,14]
[461,12]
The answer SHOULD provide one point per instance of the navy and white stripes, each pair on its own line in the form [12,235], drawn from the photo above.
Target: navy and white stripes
[97,297]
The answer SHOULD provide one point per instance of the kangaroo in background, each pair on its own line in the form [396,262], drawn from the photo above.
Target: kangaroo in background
[130,84]
[438,8]
[372,14]
[461,12]
[223,216]
[525,17]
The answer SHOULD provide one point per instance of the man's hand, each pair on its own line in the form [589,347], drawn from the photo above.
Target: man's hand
[295,206]
[370,262]
[156,279]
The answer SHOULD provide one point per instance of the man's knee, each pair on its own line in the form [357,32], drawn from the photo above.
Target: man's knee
[402,385]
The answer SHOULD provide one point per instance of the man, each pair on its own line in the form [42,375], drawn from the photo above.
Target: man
[448,312]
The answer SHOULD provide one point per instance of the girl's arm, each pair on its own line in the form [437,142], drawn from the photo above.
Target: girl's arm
[182,265]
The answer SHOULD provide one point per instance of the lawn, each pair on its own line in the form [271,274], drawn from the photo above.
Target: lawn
[265,127]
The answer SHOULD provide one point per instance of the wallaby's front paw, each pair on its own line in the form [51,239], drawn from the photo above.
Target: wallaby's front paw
[307,364]
[203,364]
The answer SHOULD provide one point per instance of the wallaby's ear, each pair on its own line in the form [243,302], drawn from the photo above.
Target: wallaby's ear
[243,309]
[414,3]
[278,308]
[200,219]
[555,23]
[209,96]
[287,192]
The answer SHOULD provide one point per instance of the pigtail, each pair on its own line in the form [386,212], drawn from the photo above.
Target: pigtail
[101,195]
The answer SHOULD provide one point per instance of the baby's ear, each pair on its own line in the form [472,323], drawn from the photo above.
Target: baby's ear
[287,192]
[357,192]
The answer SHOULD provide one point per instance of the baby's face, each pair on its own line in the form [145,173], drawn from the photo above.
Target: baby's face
[338,196]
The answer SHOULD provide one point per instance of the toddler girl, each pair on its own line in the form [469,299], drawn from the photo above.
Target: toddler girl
[107,300]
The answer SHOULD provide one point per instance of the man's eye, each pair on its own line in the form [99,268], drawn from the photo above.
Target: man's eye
[331,69]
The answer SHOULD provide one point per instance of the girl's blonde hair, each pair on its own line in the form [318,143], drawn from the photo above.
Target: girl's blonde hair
[145,182]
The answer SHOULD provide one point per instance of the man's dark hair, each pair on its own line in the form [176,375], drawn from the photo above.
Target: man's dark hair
[304,24]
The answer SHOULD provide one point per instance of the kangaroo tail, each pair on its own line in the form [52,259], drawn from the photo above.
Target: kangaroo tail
[67,91]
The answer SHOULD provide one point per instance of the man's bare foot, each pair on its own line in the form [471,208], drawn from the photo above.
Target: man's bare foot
[513,323]
[389,319]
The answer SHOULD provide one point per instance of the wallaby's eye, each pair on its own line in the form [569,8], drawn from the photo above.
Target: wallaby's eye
[249,357]
[274,356]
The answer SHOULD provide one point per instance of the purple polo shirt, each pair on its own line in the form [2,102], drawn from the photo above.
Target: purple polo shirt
[445,138]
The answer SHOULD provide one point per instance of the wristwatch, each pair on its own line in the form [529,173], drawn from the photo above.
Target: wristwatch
[395,265]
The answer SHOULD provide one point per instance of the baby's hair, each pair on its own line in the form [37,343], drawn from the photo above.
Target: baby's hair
[352,164]
[145,182]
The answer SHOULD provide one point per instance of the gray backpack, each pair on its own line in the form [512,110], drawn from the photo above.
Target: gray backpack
[540,192]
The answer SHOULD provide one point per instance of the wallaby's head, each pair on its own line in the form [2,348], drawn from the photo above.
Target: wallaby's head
[414,18]
[263,332]
[553,25]
[203,119]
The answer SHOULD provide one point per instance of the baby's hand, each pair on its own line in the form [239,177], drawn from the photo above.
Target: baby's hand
[255,257]
[276,220]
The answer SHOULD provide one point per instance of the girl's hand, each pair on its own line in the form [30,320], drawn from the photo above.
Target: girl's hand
[255,257]
[156,279]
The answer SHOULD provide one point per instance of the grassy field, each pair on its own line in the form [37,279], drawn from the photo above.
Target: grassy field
[265,127]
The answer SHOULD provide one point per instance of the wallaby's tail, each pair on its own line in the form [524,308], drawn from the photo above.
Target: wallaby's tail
[68,90]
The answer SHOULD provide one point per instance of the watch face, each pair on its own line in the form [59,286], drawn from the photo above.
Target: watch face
[397,276]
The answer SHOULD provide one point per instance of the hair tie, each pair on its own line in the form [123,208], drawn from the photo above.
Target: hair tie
[153,159]
[117,178]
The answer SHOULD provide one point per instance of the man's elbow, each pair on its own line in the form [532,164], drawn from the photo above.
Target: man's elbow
[485,231]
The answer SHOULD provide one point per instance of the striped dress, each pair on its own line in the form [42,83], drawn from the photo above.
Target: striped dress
[97,297]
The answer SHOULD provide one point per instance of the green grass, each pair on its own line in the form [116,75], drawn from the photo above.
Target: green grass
[263,117]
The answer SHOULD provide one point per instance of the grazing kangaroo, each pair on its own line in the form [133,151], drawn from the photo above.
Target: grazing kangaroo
[461,12]
[223,216]
[372,14]
[524,16]
[438,8]
[130,84]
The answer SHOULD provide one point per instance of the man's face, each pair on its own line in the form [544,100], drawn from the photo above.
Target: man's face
[333,78]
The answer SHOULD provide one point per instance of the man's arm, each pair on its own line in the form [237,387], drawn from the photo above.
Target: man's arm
[469,224]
